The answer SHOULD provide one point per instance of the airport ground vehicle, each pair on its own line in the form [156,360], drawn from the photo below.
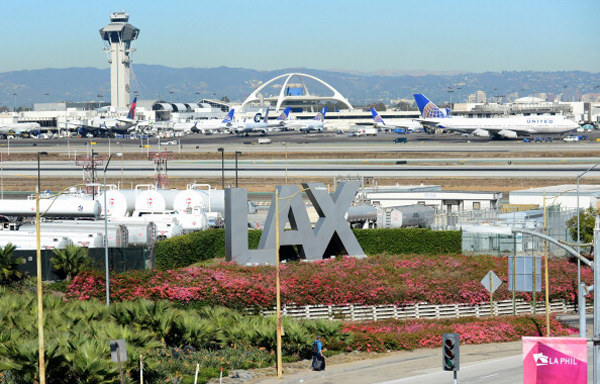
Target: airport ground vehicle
[571,138]
[401,140]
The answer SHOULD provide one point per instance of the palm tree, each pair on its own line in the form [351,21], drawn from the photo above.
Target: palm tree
[69,260]
[9,264]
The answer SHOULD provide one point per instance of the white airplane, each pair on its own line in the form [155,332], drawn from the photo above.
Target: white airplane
[281,120]
[503,128]
[205,126]
[19,128]
[408,125]
[255,126]
[317,124]
[118,126]
[510,127]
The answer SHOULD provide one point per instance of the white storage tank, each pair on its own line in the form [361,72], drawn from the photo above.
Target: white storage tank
[189,199]
[360,213]
[29,241]
[167,230]
[72,207]
[155,200]
[193,221]
[117,234]
[167,222]
[119,202]
[82,239]
[416,215]
[141,233]
[200,196]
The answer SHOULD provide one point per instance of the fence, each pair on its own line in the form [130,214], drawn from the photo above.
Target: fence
[417,311]
[120,260]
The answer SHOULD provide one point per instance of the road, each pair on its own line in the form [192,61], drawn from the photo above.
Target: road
[482,364]
[306,168]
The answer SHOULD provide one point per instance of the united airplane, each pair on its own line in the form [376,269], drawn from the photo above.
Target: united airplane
[510,127]
[281,120]
[255,126]
[205,126]
[316,124]
[406,124]
[497,128]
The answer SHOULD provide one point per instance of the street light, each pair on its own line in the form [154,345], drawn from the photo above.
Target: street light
[236,167]
[222,150]
[40,311]
[106,231]
[286,161]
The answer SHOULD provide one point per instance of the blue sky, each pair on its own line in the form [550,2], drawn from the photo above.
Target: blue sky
[445,35]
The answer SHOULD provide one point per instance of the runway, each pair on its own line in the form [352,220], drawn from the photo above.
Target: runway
[439,156]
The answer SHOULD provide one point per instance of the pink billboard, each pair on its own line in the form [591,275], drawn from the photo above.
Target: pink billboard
[554,360]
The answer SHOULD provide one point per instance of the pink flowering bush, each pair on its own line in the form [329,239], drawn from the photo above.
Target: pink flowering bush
[377,280]
[391,334]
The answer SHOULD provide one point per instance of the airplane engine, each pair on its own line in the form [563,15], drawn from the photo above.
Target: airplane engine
[508,134]
[481,133]
[263,132]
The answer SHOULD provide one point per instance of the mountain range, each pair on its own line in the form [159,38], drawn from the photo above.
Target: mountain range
[23,88]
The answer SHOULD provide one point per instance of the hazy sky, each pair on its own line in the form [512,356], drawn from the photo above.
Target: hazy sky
[367,35]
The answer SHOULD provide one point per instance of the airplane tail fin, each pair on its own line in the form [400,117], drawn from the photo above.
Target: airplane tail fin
[229,117]
[427,108]
[376,117]
[266,119]
[131,114]
[284,115]
[321,115]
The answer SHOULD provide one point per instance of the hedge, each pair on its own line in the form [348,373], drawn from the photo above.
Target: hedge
[182,251]
[400,241]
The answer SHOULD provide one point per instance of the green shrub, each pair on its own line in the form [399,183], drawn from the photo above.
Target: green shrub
[408,240]
[182,251]
[70,260]
[9,264]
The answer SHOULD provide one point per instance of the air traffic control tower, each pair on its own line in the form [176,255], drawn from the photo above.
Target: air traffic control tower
[117,37]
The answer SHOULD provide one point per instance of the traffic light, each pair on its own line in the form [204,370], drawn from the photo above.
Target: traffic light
[450,352]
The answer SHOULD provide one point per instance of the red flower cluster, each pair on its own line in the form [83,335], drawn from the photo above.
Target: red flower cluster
[380,336]
[377,280]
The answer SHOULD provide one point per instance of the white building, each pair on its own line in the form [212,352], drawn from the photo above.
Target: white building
[432,196]
[564,195]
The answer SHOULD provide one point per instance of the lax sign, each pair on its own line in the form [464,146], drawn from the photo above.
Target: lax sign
[331,234]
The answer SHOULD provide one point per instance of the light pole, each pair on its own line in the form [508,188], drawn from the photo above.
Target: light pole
[106,232]
[546,279]
[40,311]
[579,235]
[286,161]
[236,167]
[222,150]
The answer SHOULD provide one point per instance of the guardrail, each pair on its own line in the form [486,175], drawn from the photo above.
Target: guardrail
[416,311]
